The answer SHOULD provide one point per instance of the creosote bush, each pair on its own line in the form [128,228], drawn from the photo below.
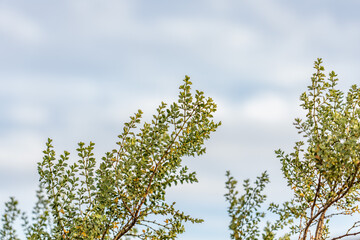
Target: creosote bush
[124,195]
[322,171]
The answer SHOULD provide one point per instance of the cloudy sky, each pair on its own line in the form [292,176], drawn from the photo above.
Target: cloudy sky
[75,70]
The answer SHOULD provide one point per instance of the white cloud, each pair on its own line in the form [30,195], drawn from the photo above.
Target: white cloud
[273,14]
[292,73]
[21,150]
[200,32]
[28,114]
[19,27]
[209,188]
[266,108]
[48,87]
[219,6]
[103,19]
[279,47]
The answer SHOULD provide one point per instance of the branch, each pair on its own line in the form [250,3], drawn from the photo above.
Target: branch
[134,219]
[346,235]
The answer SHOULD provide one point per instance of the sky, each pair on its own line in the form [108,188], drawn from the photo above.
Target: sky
[75,70]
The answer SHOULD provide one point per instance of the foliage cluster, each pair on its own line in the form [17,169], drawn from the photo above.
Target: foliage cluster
[81,200]
[322,171]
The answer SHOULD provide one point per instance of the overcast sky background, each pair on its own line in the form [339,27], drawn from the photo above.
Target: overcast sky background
[75,70]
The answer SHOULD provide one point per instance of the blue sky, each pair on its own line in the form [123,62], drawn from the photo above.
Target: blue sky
[75,70]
